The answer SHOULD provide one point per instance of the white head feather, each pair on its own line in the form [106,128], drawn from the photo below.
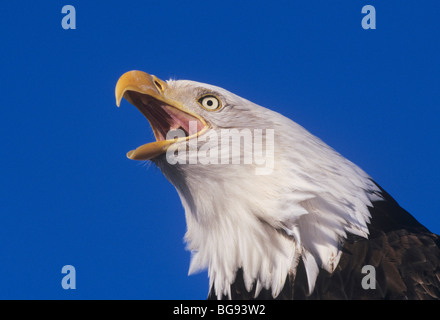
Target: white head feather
[265,223]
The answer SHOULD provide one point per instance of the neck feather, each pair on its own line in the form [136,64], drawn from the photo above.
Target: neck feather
[264,224]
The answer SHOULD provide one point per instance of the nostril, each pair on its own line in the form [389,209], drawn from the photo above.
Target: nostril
[158,85]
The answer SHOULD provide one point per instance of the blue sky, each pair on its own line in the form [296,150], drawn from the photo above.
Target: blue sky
[69,196]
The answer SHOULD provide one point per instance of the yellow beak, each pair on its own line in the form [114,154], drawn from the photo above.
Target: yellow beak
[146,92]
[139,81]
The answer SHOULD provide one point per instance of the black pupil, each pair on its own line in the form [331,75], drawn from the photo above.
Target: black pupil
[210,103]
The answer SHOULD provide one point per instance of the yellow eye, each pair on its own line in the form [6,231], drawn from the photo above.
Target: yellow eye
[210,102]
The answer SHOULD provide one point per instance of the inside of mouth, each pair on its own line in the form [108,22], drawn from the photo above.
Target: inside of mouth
[165,119]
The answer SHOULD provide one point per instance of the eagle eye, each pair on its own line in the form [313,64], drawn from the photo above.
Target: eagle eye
[210,102]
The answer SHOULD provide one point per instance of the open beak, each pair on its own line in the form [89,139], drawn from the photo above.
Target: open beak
[147,93]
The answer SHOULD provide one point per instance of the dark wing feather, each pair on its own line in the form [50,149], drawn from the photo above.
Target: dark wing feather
[405,255]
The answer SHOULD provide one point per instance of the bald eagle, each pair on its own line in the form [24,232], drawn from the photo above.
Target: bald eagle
[273,212]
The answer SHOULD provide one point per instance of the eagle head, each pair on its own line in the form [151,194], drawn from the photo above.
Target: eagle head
[260,192]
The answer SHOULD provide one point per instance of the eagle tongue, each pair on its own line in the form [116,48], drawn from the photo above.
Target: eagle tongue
[191,125]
